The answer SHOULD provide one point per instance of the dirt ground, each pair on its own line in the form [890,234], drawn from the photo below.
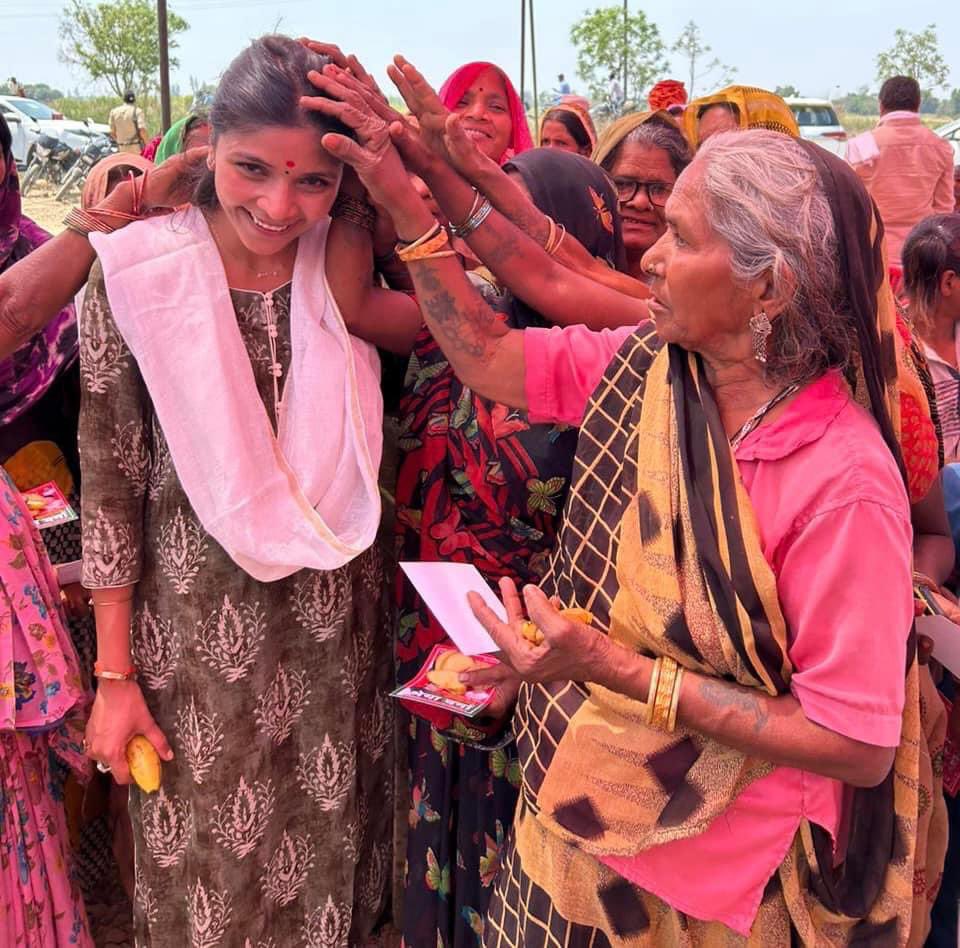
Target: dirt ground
[41,206]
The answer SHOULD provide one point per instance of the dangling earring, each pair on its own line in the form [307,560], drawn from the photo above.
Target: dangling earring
[760,328]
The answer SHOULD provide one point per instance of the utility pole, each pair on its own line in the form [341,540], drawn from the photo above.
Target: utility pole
[533,63]
[523,50]
[164,66]
[626,17]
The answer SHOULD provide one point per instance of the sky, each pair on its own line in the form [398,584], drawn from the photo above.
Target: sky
[823,47]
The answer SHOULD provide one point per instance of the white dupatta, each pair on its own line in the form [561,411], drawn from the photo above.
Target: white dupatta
[307,497]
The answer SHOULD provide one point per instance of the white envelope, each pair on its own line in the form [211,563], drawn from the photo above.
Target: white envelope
[444,587]
[946,640]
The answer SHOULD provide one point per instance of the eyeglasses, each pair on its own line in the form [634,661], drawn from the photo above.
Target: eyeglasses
[657,192]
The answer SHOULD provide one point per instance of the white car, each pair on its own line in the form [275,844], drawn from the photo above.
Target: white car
[951,132]
[28,119]
[818,122]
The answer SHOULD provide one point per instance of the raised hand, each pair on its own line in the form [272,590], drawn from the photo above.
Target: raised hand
[463,153]
[423,102]
[171,184]
[373,155]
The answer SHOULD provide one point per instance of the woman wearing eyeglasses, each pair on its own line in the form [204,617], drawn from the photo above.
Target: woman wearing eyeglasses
[644,153]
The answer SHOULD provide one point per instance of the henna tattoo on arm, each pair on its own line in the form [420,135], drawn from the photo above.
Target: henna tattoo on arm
[723,695]
[466,324]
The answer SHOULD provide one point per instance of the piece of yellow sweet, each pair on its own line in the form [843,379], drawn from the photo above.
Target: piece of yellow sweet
[447,681]
[144,764]
[534,636]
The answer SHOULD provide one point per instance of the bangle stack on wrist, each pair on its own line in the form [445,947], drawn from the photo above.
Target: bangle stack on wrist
[663,699]
[97,219]
[554,237]
[479,212]
[354,210]
[428,246]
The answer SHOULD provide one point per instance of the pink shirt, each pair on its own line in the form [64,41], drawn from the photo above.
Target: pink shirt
[835,527]
[910,177]
[946,384]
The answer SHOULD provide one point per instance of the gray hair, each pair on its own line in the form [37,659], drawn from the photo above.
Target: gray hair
[655,134]
[762,194]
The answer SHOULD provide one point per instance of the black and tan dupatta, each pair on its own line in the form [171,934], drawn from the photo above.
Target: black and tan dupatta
[657,492]
[693,584]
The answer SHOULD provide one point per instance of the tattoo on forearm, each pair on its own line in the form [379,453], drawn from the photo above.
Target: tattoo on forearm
[722,694]
[465,326]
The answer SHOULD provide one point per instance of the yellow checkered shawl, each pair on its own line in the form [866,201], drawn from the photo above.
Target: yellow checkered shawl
[659,542]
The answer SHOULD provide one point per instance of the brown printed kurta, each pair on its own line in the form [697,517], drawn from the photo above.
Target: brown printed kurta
[272,824]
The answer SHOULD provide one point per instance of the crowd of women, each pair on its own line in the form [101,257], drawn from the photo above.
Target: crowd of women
[657,374]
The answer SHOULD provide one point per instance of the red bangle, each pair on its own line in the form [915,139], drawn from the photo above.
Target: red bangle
[100,672]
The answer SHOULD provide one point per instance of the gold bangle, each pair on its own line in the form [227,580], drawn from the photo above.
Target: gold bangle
[675,703]
[434,256]
[551,233]
[555,248]
[354,210]
[422,239]
[82,222]
[426,249]
[652,690]
[664,697]
[112,602]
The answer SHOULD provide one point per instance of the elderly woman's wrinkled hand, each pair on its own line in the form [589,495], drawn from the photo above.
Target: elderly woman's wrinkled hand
[404,132]
[372,156]
[347,63]
[570,650]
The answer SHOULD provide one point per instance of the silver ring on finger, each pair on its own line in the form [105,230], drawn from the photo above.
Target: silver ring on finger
[102,767]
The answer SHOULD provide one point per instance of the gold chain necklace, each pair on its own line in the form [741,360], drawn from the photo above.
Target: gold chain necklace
[259,275]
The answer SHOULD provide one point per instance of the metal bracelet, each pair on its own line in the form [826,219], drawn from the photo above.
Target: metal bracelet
[474,221]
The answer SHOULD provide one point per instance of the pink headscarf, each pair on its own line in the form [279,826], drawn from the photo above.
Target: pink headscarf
[452,91]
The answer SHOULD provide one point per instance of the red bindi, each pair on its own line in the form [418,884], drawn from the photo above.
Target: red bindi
[291,164]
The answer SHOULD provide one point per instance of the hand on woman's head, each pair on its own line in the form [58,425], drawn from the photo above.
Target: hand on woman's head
[372,156]
[350,63]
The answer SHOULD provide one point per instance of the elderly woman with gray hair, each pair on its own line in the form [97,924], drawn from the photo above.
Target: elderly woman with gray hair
[710,761]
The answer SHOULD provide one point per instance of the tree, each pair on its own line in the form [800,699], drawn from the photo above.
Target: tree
[787,92]
[917,55]
[117,42]
[604,46]
[690,44]
[861,102]
[42,92]
[951,105]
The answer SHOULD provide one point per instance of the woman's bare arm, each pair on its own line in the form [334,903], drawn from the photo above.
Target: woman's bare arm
[37,287]
[770,728]
[933,550]
[509,199]
[385,318]
[559,294]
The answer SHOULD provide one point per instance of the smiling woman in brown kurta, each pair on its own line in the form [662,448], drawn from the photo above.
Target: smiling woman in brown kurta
[224,406]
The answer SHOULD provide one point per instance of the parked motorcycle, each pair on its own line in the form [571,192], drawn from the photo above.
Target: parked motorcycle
[51,158]
[97,149]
